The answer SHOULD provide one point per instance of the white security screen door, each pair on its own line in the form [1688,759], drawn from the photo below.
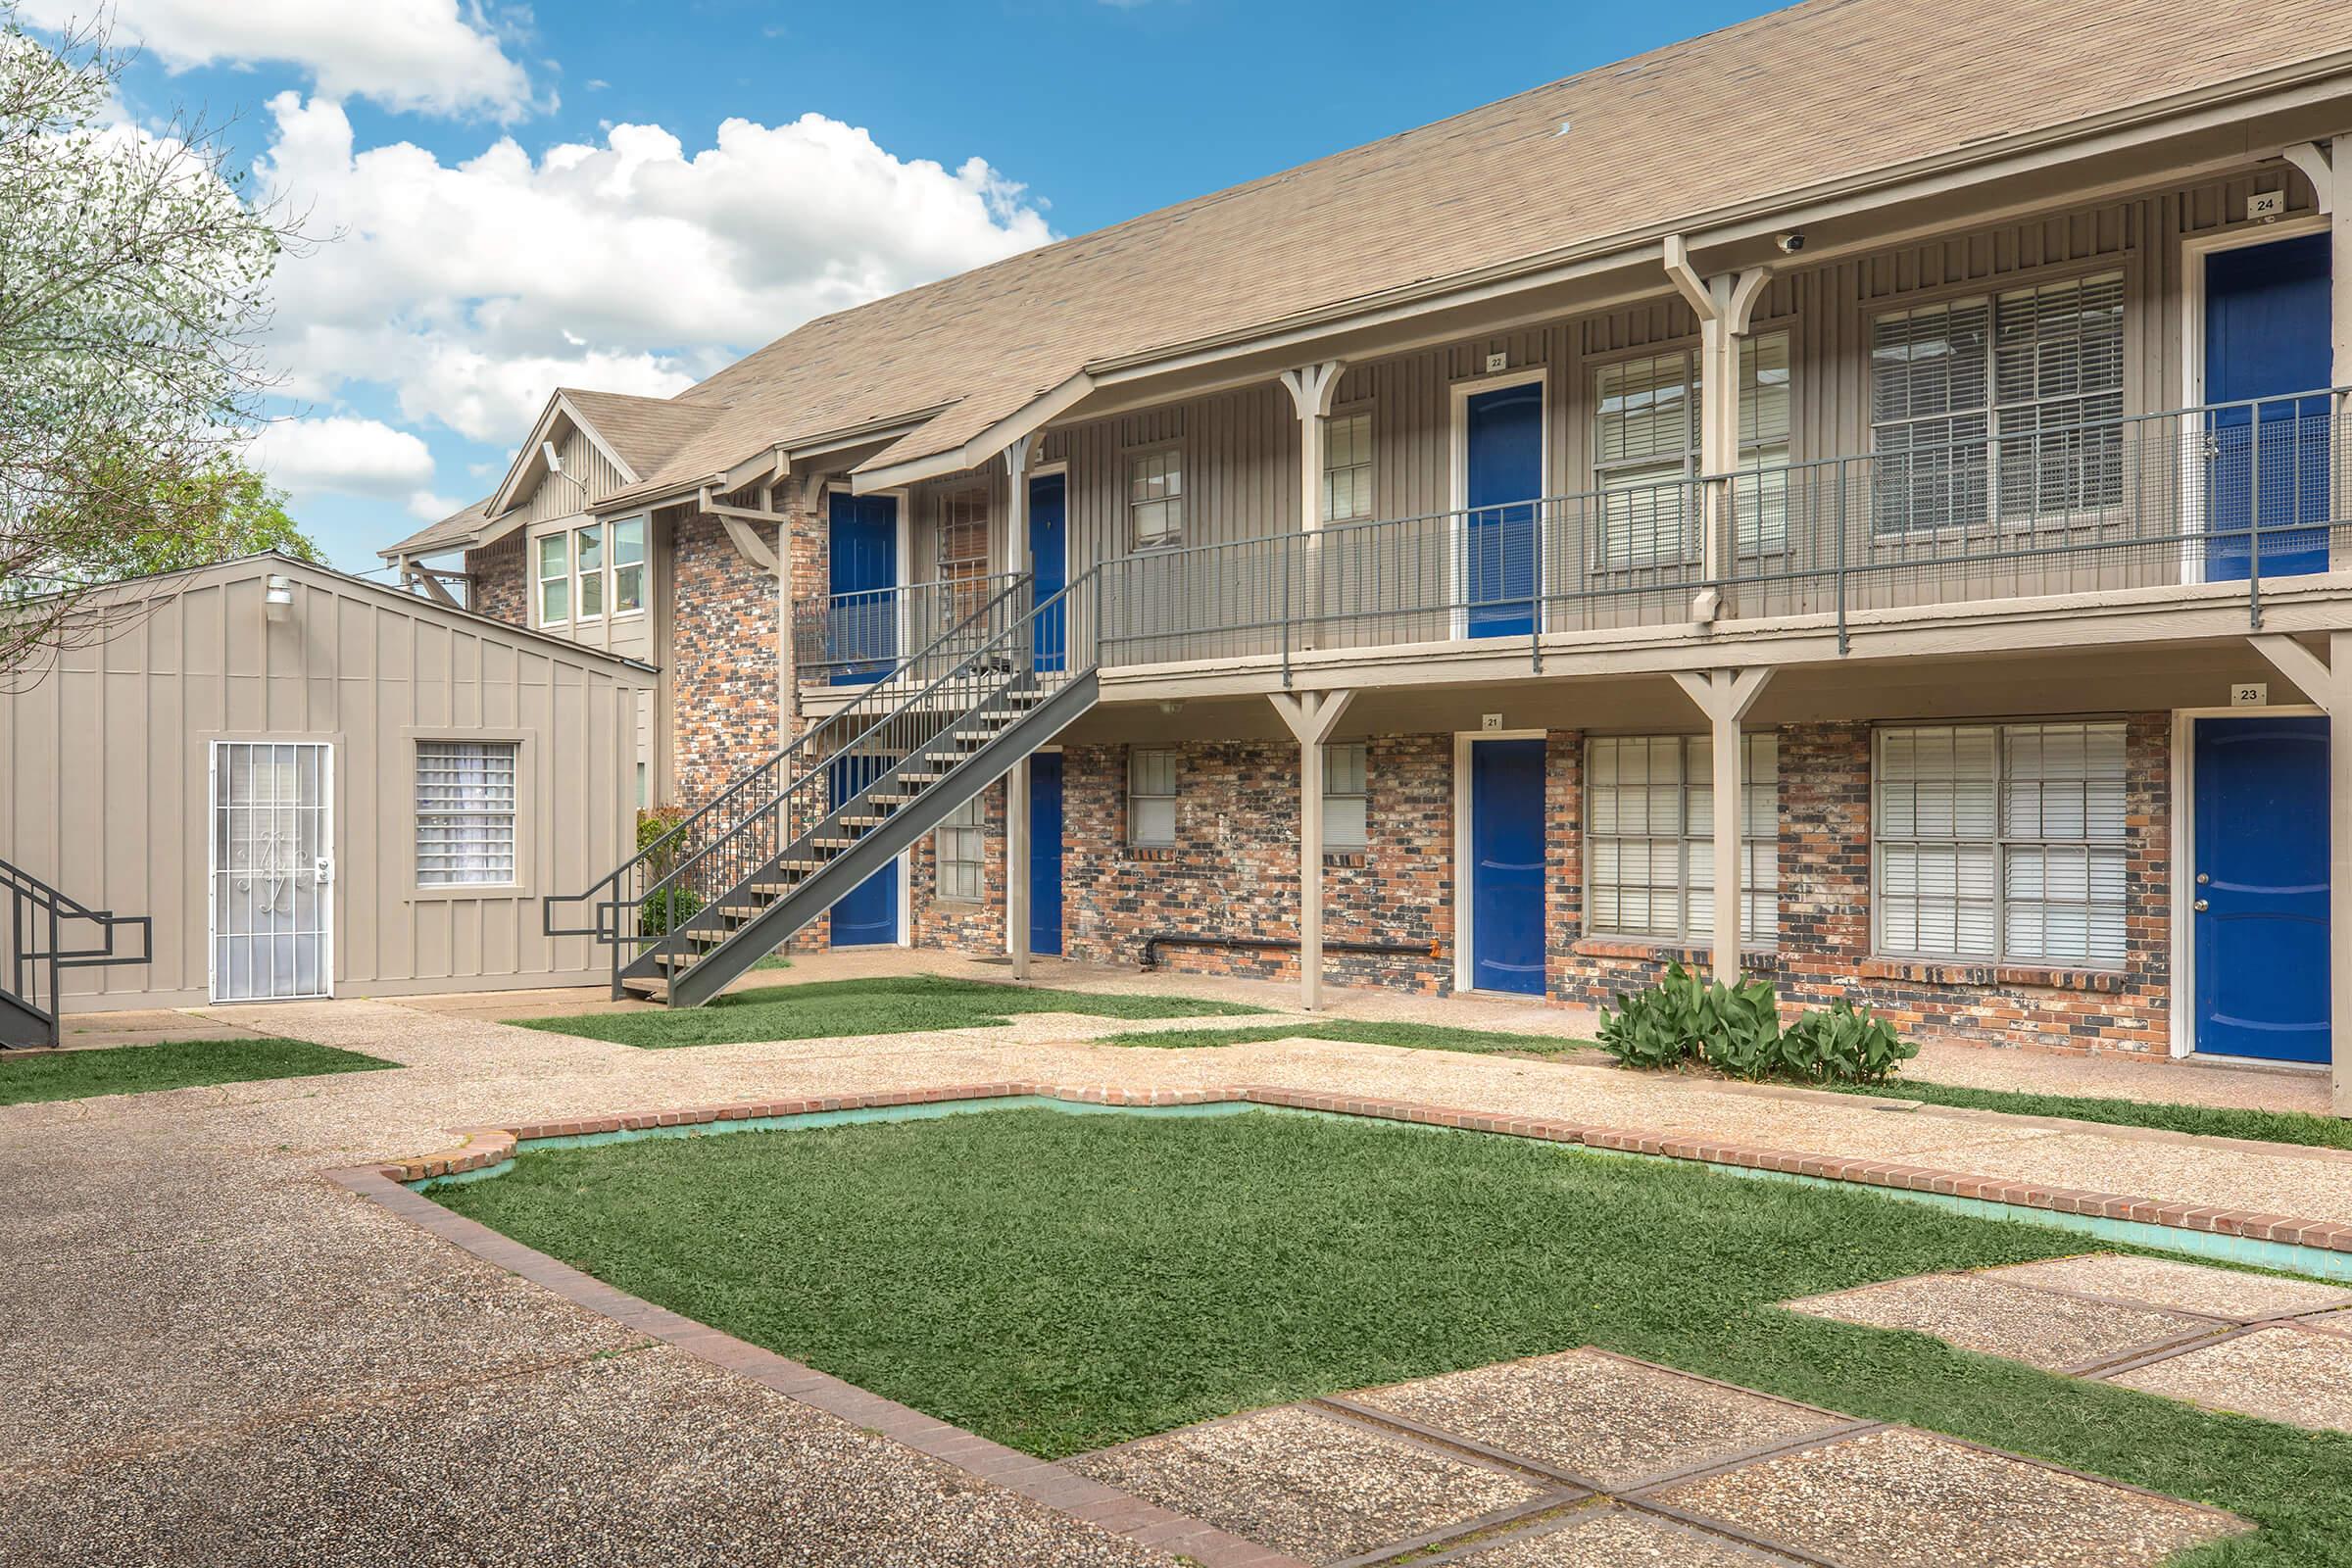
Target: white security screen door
[272,870]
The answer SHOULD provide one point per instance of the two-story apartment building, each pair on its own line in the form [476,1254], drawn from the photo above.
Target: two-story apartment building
[1861,496]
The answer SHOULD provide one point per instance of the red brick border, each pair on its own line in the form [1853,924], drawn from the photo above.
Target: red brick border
[486,1147]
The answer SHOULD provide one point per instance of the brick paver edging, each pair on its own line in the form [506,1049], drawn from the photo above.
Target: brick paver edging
[487,1146]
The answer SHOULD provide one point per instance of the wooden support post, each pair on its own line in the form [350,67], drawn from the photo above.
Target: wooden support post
[1724,305]
[1016,783]
[1311,716]
[1016,868]
[2328,686]
[1725,695]
[1016,505]
[1311,387]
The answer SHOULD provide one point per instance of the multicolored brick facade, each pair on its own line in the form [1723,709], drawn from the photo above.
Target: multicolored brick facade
[723,670]
[1236,874]
[501,589]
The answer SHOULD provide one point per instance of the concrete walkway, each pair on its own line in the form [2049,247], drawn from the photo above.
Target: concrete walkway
[213,1353]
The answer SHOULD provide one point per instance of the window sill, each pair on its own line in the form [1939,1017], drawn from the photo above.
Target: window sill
[1342,858]
[1656,951]
[1934,973]
[1151,852]
[445,892]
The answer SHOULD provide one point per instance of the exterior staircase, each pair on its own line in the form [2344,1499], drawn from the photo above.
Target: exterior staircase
[785,841]
[40,921]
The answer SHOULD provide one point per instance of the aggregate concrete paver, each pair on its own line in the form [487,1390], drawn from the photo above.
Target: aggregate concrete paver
[185,1278]
[2164,1282]
[1979,1312]
[1307,1483]
[1614,1537]
[1596,1415]
[648,1459]
[2292,1375]
[1900,1499]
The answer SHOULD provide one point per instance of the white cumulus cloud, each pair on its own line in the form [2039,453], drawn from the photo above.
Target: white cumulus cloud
[472,288]
[343,454]
[429,56]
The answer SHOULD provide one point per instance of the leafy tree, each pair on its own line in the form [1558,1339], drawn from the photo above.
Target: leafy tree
[133,293]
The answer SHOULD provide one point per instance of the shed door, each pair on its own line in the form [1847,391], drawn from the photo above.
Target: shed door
[272,870]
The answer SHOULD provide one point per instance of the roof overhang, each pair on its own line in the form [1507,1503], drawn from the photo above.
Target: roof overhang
[772,462]
[2003,163]
[529,467]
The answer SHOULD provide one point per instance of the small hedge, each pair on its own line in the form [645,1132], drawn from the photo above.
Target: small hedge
[1737,1031]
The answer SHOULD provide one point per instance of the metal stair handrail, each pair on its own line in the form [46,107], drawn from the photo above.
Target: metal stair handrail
[1016,639]
[36,951]
[607,912]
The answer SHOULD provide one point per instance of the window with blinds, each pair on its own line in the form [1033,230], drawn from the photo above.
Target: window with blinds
[2011,400]
[1156,499]
[1150,797]
[963,550]
[961,842]
[1645,447]
[1649,837]
[1346,797]
[466,814]
[2002,842]
[1347,468]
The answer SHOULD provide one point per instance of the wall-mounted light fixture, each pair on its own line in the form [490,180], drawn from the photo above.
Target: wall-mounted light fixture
[277,597]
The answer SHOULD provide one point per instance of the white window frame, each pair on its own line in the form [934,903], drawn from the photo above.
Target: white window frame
[1363,843]
[1135,839]
[947,842]
[540,578]
[1363,464]
[1753,448]
[2002,844]
[641,528]
[587,536]
[1692,845]
[1993,515]
[420,816]
[1178,500]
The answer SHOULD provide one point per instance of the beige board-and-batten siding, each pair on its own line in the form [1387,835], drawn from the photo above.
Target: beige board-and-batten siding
[105,786]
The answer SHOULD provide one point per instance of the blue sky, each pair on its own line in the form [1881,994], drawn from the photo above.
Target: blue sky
[630,193]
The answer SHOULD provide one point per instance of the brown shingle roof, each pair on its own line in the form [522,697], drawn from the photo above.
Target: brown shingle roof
[1826,91]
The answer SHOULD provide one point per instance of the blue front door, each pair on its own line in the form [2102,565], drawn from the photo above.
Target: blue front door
[1044,854]
[1506,865]
[868,915]
[1049,559]
[861,633]
[1502,449]
[2262,881]
[2267,337]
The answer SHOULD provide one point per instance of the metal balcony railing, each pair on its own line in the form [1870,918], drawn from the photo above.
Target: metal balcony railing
[848,639]
[2243,492]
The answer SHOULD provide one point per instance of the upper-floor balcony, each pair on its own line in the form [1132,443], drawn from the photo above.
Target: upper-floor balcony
[2219,504]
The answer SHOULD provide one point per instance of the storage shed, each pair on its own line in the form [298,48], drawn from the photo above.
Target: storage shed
[317,785]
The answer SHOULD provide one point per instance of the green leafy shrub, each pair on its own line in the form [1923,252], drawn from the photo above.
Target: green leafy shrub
[1660,1027]
[1736,1029]
[1742,1029]
[666,909]
[1842,1044]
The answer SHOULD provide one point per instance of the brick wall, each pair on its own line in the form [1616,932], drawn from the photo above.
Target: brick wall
[500,590]
[1236,872]
[723,659]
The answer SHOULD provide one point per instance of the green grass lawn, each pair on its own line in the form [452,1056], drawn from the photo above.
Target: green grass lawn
[168,1064]
[1060,1282]
[829,1008]
[2211,1121]
[1418,1036]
